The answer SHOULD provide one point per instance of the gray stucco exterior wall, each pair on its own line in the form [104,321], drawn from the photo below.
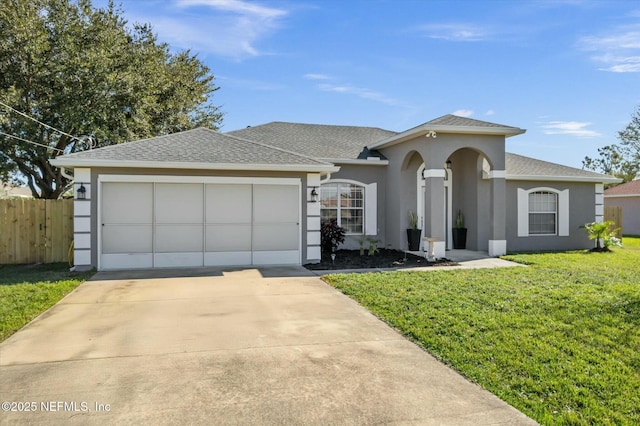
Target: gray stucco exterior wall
[581,211]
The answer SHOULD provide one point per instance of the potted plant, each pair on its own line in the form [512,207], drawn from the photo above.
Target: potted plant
[413,233]
[459,233]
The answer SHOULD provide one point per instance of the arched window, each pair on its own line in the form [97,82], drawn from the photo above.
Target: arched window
[543,211]
[345,202]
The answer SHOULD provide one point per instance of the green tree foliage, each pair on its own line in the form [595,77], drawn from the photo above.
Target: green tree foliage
[85,71]
[620,160]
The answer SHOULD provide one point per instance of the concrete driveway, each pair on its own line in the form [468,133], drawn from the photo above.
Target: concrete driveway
[268,346]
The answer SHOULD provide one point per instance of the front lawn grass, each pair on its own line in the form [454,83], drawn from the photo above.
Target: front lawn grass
[559,340]
[28,290]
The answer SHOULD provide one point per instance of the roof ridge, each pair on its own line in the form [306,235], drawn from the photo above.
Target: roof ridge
[347,126]
[297,154]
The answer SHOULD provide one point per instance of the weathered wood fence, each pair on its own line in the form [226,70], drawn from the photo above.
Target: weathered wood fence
[614,214]
[35,231]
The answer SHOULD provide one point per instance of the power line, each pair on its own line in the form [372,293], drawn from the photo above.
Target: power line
[40,122]
[31,142]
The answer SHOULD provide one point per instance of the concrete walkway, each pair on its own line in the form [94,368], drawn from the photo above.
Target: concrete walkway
[265,347]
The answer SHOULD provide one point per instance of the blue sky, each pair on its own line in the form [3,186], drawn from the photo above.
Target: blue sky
[567,71]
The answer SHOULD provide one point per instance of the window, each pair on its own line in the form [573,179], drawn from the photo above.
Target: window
[543,213]
[344,202]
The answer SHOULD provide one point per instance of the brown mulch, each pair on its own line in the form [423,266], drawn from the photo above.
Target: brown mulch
[385,258]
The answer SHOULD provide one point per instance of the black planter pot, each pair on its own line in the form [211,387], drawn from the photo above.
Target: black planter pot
[459,238]
[413,236]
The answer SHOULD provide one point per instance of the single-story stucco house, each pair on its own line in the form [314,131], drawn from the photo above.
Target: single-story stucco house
[627,197]
[258,195]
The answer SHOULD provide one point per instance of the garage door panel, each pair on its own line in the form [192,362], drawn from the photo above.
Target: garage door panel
[285,257]
[126,239]
[127,202]
[228,203]
[275,236]
[127,261]
[179,203]
[178,238]
[236,258]
[275,203]
[177,260]
[230,237]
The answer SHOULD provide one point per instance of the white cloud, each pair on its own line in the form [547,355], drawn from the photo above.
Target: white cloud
[489,112]
[573,128]
[463,112]
[618,50]
[454,32]
[236,6]
[360,92]
[313,76]
[231,28]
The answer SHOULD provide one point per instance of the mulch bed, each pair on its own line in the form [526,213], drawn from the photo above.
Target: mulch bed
[351,259]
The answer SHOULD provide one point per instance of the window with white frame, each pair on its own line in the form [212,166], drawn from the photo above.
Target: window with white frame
[543,213]
[345,203]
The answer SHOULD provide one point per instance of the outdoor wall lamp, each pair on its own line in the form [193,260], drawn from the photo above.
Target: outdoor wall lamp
[82,192]
[314,195]
[448,164]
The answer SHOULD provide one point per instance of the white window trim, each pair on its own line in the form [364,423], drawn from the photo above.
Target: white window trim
[562,219]
[370,210]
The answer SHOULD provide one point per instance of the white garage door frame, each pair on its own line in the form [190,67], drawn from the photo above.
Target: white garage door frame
[156,260]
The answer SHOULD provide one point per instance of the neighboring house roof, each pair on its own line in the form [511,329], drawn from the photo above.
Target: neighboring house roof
[199,148]
[316,140]
[519,167]
[450,124]
[629,189]
[8,190]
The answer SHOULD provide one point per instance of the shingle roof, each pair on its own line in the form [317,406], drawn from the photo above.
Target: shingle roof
[454,120]
[199,145]
[315,140]
[629,188]
[519,165]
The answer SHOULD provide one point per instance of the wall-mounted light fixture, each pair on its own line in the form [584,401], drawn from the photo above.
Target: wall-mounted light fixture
[313,195]
[82,192]
[431,134]
[448,164]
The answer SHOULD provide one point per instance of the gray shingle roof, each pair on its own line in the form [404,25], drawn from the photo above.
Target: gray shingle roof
[519,165]
[454,120]
[315,140]
[199,145]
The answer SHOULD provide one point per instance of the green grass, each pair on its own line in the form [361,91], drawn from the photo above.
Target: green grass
[28,290]
[559,340]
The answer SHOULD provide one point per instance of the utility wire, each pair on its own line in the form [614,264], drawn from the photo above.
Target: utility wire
[40,123]
[31,142]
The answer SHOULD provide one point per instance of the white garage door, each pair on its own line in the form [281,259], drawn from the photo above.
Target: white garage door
[162,224]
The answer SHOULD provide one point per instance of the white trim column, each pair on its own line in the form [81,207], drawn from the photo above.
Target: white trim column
[599,203]
[497,245]
[313,219]
[434,204]
[82,220]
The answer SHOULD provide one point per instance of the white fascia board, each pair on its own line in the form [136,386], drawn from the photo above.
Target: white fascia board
[327,168]
[378,162]
[621,196]
[424,129]
[563,178]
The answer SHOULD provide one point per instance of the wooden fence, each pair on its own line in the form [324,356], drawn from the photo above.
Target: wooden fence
[614,214]
[35,231]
